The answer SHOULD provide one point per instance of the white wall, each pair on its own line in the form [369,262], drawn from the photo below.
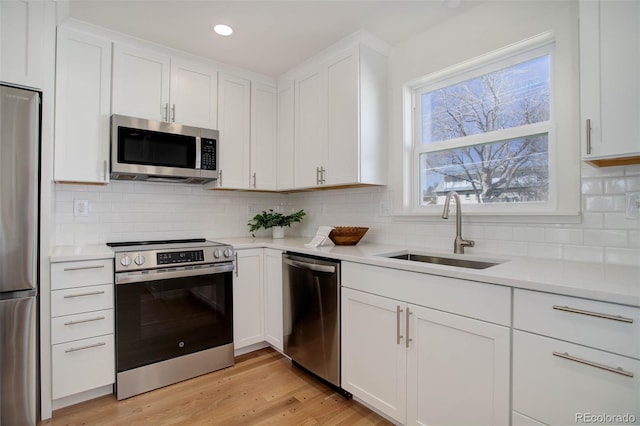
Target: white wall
[602,232]
[127,211]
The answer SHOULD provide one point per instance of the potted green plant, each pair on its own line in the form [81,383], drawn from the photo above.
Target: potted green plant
[275,220]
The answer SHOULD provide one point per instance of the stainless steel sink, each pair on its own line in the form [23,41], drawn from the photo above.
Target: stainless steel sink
[450,261]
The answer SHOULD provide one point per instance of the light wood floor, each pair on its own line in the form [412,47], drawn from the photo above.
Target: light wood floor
[262,388]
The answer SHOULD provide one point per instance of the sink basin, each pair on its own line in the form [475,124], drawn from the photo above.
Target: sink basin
[440,260]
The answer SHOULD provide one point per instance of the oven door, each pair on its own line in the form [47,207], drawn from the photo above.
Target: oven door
[172,312]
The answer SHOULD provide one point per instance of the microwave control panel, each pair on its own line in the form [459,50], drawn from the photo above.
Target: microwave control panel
[208,157]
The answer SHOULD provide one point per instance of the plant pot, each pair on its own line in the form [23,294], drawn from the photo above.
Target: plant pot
[278,232]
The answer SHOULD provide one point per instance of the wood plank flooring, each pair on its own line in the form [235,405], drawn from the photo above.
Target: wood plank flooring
[263,388]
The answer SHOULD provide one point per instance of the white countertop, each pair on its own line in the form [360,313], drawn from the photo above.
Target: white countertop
[77,253]
[609,283]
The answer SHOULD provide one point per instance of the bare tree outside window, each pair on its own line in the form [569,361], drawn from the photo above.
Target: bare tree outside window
[501,170]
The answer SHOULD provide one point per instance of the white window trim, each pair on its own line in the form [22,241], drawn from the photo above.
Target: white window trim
[552,211]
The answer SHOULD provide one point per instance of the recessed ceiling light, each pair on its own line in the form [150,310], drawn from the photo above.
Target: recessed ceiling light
[223,30]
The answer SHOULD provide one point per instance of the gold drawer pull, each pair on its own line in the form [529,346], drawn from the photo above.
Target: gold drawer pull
[593,314]
[82,268]
[84,320]
[95,345]
[92,293]
[618,370]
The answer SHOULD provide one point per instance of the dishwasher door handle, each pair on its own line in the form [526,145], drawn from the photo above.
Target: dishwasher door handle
[310,266]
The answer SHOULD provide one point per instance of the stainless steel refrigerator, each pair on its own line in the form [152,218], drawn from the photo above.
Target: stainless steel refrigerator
[19,240]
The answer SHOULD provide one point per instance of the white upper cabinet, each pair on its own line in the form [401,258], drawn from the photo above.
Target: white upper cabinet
[610,81]
[83,88]
[194,94]
[286,135]
[234,118]
[140,83]
[263,137]
[310,128]
[22,31]
[340,116]
[150,85]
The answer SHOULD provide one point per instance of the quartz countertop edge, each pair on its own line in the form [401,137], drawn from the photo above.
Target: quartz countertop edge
[71,253]
[597,281]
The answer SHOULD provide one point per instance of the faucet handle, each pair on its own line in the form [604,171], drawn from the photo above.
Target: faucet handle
[468,243]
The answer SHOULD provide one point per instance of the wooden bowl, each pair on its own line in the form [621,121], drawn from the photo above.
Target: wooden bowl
[347,235]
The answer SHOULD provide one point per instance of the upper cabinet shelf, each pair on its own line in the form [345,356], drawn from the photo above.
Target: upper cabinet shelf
[610,82]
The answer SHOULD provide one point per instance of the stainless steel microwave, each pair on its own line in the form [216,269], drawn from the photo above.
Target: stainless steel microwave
[162,152]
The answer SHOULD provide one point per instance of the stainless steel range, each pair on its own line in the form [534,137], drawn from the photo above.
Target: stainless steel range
[174,312]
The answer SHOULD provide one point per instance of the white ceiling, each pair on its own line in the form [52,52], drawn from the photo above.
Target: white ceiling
[270,37]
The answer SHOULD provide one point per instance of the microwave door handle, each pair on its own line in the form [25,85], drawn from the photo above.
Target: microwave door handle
[198,150]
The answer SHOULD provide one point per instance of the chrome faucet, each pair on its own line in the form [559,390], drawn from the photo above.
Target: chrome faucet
[459,244]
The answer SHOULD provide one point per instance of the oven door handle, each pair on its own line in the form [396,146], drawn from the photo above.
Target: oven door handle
[164,274]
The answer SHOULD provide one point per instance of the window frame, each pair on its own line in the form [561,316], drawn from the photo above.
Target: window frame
[537,46]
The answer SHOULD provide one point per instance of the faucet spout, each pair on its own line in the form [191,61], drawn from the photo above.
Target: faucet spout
[459,243]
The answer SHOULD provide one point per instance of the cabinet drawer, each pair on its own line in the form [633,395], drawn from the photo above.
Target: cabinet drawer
[560,391]
[81,326]
[82,365]
[477,300]
[82,273]
[78,300]
[607,326]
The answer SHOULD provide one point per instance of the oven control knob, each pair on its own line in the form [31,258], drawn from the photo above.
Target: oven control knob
[217,253]
[139,259]
[125,260]
[228,252]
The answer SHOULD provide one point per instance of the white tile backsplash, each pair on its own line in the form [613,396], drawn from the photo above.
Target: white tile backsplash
[124,211]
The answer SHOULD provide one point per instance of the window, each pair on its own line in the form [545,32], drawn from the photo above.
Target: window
[485,129]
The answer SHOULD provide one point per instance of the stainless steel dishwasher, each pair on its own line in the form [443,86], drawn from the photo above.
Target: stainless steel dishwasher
[311,315]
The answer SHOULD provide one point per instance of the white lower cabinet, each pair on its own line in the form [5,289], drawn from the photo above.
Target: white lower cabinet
[421,366]
[374,358]
[575,361]
[82,326]
[560,383]
[273,298]
[248,304]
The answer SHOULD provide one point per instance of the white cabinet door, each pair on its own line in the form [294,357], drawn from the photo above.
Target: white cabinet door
[458,370]
[22,31]
[194,94]
[82,365]
[273,298]
[311,129]
[83,87]
[374,366]
[559,383]
[263,137]
[248,317]
[286,135]
[140,83]
[343,165]
[610,81]
[234,113]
